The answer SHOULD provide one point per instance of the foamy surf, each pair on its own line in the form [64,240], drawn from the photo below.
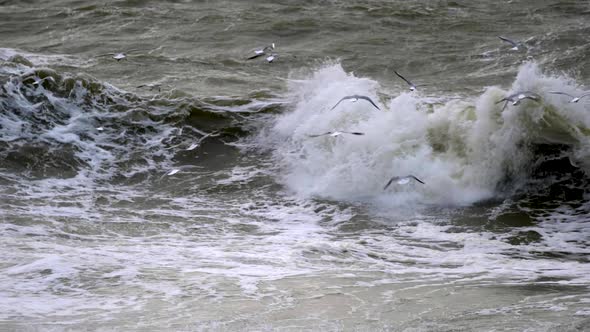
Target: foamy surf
[465,150]
[278,230]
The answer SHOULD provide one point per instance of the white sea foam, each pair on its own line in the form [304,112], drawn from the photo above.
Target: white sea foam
[462,149]
[141,250]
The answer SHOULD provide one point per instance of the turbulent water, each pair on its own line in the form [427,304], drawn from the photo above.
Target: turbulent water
[112,219]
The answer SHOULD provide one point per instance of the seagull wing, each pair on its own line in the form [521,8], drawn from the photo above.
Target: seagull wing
[200,140]
[505,105]
[369,100]
[255,56]
[403,78]
[395,178]
[561,93]
[353,133]
[343,98]
[532,96]
[515,96]
[585,95]
[511,42]
[415,178]
[193,146]
[174,171]
[318,135]
[41,80]
[211,134]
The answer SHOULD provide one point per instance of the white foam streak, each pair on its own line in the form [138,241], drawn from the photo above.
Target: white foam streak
[44,59]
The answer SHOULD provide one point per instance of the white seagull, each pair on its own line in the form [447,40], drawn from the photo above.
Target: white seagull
[262,51]
[172,172]
[518,97]
[38,81]
[120,55]
[402,180]
[198,142]
[337,133]
[514,44]
[412,85]
[271,57]
[117,56]
[355,98]
[151,87]
[574,98]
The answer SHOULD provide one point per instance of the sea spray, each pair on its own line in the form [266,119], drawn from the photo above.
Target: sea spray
[465,150]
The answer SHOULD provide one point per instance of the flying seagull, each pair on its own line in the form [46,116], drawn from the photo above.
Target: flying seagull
[172,172]
[193,146]
[151,87]
[122,55]
[412,85]
[402,180]
[337,133]
[271,57]
[574,98]
[38,81]
[262,51]
[511,42]
[117,56]
[355,98]
[198,142]
[518,97]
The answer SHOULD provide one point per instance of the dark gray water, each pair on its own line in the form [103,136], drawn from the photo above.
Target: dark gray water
[203,204]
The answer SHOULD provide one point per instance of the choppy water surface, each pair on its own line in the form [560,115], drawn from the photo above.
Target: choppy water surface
[263,227]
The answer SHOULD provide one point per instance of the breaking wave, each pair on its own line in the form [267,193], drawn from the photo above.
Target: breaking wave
[466,149]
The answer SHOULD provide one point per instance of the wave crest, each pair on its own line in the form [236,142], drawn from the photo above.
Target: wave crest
[465,150]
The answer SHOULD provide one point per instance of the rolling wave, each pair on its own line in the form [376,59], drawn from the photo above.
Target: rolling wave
[58,125]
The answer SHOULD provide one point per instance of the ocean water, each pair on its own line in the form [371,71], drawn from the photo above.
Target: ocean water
[179,188]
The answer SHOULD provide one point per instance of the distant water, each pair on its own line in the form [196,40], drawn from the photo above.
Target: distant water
[264,228]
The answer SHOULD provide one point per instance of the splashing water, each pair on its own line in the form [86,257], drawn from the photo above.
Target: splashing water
[465,150]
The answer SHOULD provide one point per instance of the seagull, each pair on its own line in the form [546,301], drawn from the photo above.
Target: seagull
[117,56]
[518,97]
[355,98]
[262,51]
[402,180]
[198,142]
[38,81]
[574,98]
[511,42]
[271,57]
[337,133]
[151,87]
[172,172]
[412,85]
[193,146]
